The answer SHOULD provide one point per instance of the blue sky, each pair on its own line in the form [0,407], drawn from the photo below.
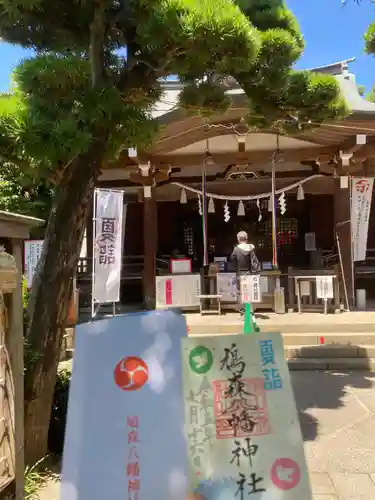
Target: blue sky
[332,33]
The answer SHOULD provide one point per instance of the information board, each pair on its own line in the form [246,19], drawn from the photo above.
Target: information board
[180,265]
[324,287]
[33,251]
[227,287]
[250,288]
[178,290]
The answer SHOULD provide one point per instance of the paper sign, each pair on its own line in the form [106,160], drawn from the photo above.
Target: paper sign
[310,242]
[178,290]
[241,420]
[227,287]
[33,251]
[250,288]
[324,287]
[124,434]
[304,287]
[180,265]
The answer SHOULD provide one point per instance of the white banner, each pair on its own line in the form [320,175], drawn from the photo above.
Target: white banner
[32,252]
[360,215]
[107,252]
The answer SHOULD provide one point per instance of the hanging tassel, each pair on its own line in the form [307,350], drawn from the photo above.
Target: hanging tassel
[270,204]
[259,211]
[183,197]
[226,212]
[300,193]
[282,203]
[241,209]
[200,206]
[211,206]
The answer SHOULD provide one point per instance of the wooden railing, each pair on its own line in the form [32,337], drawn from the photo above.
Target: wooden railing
[366,269]
[131,267]
[309,302]
[131,276]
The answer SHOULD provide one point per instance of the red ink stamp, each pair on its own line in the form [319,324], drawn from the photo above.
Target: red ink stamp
[242,412]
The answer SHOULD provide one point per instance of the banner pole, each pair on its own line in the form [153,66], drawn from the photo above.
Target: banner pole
[204,214]
[107,248]
[275,262]
[353,294]
[93,256]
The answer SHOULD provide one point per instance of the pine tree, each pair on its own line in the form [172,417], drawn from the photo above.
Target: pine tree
[89,93]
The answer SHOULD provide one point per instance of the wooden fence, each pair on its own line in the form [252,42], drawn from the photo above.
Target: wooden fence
[7,415]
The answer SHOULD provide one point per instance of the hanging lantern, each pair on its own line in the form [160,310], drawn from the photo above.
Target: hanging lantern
[300,193]
[259,211]
[270,204]
[241,209]
[211,206]
[183,197]
[226,212]
[200,206]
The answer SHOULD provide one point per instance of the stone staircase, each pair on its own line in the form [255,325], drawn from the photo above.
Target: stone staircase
[312,345]
[344,342]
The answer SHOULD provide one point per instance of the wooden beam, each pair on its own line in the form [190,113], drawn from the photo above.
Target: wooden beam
[122,183]
[323,153]
[366,151]
[354,144]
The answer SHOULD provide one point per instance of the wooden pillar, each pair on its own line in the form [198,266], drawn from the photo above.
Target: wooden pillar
[90,236]
[343,230]
[150,224]
[15,349]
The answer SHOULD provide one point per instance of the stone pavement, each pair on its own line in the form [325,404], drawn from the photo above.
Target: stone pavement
[337,413]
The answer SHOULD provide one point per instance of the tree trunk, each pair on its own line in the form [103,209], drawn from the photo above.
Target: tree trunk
[51,292]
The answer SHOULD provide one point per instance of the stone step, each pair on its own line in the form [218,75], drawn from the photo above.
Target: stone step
[332,364]
[315,358]
[309,327]
[315,339]
[329,351]
[338,339]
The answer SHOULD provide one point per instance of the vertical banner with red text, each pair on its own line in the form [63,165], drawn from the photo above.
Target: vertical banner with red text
[360,215]
[107,252]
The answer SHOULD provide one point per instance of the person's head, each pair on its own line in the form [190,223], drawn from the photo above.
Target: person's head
[242,237]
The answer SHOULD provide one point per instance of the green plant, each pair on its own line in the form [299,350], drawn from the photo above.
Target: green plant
[34,480]
[25,293]
[89,95]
